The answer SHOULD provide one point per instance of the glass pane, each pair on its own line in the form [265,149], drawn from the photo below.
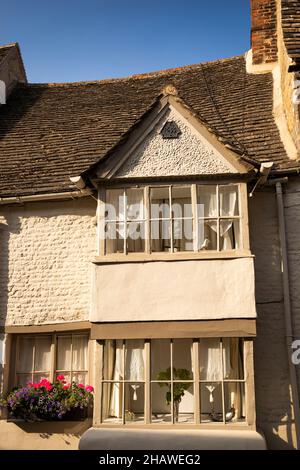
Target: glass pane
[181,202]
[114,234]
[135,204]
[229,200]
[63,357]
[134,360]
[183,402]
[207,201]
[80,352]
[40,376]
[208,235]
[160,358]
[182,359]
[229,234]
[159,202]
[234,401]
[134,403]
[211,402]
[23,379]
[80,378]
[135,237]
[114,207]
[25,354]
[112,396]
[161,403]
[210,362]
[183,235]
[113,360]
[43,353]
[160,235]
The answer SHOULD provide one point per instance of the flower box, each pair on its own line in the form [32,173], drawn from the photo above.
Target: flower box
[46,401]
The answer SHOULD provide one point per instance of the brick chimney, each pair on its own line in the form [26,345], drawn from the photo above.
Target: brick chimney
[263,31]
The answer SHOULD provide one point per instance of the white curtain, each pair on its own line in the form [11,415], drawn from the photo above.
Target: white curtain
[134,371]
[228,207]
[117,388]
[228,204]
[135,212]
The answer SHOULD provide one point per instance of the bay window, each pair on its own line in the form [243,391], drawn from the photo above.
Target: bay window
[46,356]
[173,218]
[173,381]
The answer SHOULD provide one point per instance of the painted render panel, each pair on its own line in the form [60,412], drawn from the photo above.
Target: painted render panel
[185,290]
[45,261]
[189,154]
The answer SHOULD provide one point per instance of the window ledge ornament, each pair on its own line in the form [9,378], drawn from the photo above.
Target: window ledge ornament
[170,130]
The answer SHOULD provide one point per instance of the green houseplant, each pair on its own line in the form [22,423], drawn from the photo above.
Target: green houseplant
[179,389]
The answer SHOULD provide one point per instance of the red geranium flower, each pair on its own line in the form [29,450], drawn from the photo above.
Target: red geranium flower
[80,386]
[66,387]
[89,388]
[60,377]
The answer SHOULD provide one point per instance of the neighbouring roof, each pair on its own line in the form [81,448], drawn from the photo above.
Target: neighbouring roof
[4,50]
[290,17]
[51,131]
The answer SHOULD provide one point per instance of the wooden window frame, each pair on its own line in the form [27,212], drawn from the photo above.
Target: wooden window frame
[247,380]
[53,354]
[147,254]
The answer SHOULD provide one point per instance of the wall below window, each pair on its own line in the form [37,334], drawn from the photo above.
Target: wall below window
[41,436]
[186,290]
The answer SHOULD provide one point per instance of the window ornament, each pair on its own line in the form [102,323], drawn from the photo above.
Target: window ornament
[170,130]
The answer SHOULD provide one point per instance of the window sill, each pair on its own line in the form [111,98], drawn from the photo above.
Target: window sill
[182,256]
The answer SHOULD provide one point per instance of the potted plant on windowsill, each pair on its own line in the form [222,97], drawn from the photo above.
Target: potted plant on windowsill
[179,389]
[49,401]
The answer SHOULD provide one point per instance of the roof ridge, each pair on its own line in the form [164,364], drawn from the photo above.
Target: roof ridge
[141,76]
[11,44]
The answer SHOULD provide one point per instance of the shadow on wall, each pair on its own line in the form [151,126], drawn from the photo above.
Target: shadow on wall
[272,381]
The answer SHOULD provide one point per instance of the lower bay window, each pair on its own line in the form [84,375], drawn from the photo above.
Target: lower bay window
[46,356]
[179,381]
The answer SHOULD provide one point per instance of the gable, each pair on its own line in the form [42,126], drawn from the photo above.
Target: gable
[186,153]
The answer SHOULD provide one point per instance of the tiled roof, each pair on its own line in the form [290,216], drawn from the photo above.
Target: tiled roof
[49,132]
[290,13]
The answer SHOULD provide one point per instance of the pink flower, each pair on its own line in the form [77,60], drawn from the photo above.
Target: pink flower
[44,383]
[89,388]
[66,387]
[80,386]
[60,377]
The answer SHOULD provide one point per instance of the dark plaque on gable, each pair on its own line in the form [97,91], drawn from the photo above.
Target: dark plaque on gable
[170,130]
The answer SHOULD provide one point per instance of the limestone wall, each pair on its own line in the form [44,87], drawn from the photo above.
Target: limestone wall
[45,266]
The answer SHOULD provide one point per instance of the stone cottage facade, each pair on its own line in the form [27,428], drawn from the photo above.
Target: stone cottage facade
[149,243]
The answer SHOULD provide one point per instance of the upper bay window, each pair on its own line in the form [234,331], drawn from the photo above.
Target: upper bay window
[174,218]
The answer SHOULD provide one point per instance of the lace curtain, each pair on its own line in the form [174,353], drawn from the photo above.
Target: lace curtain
[228,201]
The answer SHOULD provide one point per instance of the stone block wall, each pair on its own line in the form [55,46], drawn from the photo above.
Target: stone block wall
[45,269]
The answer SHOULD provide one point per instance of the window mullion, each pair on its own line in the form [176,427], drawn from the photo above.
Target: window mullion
[71,371]
[53,357]
[147,219]
[123,384]
[147,409]
[197,404]
[125,222]
[218,218]
[195,218]
[172,383]
[223,394]
[33,360]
